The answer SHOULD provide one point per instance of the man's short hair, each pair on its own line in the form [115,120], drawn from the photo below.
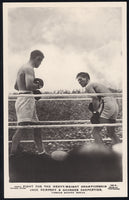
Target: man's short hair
[36,53]
[84,75]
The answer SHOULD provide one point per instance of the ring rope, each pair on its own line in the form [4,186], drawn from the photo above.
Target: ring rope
[66,140]
[64,99]
[65,95]
[65,125]
[60,121]
[64,121]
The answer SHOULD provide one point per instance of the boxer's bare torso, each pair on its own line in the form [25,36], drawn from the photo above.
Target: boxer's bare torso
[97,88]
[25,78]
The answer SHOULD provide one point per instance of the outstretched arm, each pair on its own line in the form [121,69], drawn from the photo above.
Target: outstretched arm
[95,100]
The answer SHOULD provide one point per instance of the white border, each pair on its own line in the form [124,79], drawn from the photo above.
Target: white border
[8,193]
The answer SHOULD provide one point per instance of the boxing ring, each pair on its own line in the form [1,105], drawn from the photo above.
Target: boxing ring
[64,123]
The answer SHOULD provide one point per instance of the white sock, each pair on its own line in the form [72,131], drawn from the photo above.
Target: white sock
[41,152]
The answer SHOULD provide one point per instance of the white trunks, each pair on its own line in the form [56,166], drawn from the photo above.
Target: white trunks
[26,108]
[111,108]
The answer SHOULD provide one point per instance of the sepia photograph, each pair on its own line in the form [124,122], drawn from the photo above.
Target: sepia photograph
[65,99]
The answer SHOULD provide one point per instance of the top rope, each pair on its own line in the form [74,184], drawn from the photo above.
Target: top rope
[12,97]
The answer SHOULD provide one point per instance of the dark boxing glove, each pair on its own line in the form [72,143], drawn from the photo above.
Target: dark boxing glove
[37,92]
[39,82]
[95,119]
[95,115]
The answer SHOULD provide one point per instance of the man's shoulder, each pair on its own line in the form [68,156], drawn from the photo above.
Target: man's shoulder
[27,68]
[91,87]
[94,84]
[91,84]
[98,87]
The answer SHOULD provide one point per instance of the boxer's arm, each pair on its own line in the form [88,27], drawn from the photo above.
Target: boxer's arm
[95,100]
[96,103]
[29,79]
[15,86]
